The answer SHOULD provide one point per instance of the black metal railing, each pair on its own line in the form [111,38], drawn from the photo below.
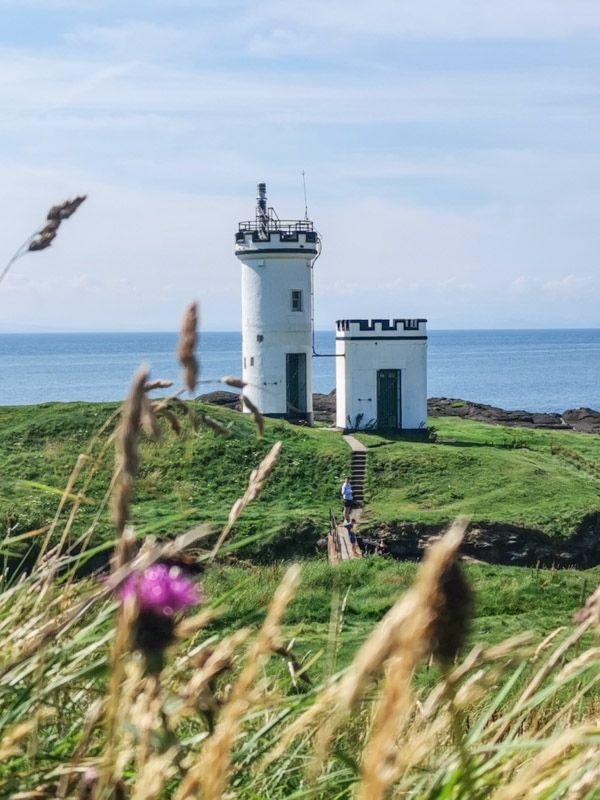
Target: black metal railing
[283,226]
[334,536]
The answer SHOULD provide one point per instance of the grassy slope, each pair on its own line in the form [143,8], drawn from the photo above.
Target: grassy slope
[183,479]
[189,478]
[508,601]
[541,479]
[548,480]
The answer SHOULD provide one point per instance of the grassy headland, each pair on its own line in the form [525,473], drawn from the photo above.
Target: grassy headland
[78,706]
[539,479]
[185,477]
[545,480]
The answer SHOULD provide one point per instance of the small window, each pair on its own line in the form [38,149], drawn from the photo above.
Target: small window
[244,362]
[251,361]
[296,300]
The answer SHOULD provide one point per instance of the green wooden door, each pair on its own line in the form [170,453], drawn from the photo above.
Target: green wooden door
[389,414]
[295,383]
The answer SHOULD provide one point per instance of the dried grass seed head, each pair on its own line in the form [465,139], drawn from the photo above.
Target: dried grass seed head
[214,425]
[130,423]
[591,609]
[159,383]
[55,216]
[148,419]
[236,383]
[453,610]
[66,209]
[187,345]
[258,418]
[127,457]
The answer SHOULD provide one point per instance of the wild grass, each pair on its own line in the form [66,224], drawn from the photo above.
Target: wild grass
[219,721]
[109,690]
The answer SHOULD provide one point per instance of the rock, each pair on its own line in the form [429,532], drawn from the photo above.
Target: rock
[585,420]
[222,398]
[324,407]
[499,543]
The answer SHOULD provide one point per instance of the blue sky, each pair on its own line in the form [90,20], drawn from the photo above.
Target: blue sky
[451,152]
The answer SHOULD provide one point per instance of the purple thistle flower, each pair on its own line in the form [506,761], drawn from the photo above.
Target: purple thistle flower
[161,590]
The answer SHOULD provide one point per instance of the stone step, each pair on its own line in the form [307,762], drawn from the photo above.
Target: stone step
[358,471]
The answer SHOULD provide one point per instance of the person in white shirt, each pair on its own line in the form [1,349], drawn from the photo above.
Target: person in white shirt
[347,498]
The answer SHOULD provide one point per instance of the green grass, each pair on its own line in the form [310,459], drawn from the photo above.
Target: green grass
[537,479]
[50,686]
[183,480]
[508,600]
[532,478]
[57,659]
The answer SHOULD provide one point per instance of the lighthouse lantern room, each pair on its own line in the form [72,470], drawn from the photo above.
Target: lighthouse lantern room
[277,258]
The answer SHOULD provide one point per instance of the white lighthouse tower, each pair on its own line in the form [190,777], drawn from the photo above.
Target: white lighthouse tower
[277,259]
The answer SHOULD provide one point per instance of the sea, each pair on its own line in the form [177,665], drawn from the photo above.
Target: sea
[529,370]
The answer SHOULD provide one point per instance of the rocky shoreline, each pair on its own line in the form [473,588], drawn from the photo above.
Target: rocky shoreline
[501,543]
[584,420]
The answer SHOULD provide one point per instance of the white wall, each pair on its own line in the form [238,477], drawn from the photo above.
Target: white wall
[374,348]
[268,279]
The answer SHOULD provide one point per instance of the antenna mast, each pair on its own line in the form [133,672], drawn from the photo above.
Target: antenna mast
[305,202]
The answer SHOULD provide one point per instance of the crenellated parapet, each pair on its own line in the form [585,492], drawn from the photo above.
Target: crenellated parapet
[381,328]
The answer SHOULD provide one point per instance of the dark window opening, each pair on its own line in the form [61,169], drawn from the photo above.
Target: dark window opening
[296,300]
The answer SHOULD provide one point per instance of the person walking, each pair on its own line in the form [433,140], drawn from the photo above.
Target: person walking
[347,498]
[349,525]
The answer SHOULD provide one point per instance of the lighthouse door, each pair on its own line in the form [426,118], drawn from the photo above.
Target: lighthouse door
[389,412]
[295,383]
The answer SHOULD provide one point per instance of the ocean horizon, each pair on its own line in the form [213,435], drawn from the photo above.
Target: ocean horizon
[536,370]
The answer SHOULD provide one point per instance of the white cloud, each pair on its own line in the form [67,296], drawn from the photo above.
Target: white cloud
[427,19]
[570,284]
[464,194]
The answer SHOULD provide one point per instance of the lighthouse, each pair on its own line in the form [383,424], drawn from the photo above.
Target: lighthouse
[277,259]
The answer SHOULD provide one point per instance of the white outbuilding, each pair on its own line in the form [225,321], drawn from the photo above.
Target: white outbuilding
[381,373]
[277,258]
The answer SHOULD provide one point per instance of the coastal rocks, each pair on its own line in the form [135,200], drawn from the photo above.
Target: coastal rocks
[585,420]
[582,419]
[500,543]
[324,407]
[323,404]
[222,398]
